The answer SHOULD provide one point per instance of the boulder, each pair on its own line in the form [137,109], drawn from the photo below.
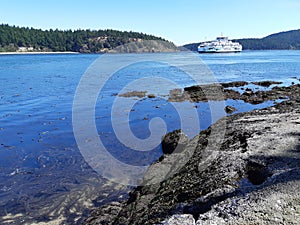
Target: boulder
[175,140]
[230,109]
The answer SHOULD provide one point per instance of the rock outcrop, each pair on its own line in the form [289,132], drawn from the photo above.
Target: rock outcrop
[224,91]
[244,169]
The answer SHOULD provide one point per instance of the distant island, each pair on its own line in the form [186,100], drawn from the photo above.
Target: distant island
[289,40]
[14,39]
[26,40]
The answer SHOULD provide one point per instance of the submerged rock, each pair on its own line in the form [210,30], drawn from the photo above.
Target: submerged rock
[266,83]
[230,109]
[151,96]
[234,84]
[139,94]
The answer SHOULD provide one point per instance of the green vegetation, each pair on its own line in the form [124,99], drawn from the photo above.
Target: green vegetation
[284,40]
[14,38]
[289,40]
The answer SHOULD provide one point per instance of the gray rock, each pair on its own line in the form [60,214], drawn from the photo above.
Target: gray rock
[249,175]
[106,215]
[183,219]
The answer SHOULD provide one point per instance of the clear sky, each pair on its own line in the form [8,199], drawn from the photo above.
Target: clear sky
[180,21]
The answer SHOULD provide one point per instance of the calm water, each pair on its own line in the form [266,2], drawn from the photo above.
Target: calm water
[43,176]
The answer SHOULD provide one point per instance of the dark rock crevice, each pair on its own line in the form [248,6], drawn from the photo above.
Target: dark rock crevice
[257,173]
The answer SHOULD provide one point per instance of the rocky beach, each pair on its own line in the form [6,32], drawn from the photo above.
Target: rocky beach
[243,169]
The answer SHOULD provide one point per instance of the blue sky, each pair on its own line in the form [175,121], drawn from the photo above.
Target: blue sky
[180,21]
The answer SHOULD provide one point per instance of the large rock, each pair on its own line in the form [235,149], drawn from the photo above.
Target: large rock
[175,140]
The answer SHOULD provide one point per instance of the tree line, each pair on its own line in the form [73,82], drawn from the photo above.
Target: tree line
[14,38]
[289,40]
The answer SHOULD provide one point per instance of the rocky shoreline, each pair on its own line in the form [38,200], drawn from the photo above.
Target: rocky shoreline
[247,173]
[224,91]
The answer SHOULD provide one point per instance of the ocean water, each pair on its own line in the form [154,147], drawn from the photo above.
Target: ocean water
[43,175]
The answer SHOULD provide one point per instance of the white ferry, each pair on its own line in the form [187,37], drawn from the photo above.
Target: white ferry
[220,45]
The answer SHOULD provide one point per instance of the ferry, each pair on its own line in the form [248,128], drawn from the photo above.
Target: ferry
[220,45]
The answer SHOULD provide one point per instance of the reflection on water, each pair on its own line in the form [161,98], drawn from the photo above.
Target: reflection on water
[43,176]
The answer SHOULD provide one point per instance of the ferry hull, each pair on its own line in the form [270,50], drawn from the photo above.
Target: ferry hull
[218,51]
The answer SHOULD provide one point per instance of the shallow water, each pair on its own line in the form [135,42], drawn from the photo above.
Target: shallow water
[43,176]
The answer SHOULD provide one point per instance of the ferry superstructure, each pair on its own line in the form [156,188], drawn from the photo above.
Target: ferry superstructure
[220,45]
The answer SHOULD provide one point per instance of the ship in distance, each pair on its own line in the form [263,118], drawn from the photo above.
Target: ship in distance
[220,45]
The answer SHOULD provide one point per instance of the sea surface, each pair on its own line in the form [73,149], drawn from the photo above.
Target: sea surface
[43,175]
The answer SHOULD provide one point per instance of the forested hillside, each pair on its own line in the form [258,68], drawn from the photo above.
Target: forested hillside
[284,40]
[14,38]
